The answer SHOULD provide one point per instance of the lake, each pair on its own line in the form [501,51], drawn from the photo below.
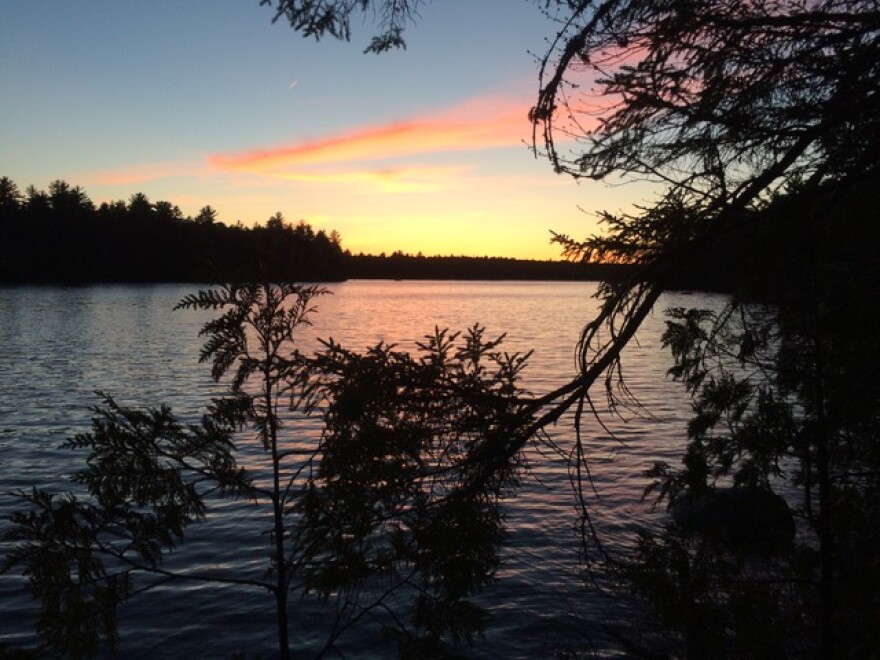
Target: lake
[59,345]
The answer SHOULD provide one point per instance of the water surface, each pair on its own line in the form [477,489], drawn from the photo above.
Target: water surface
[59,345]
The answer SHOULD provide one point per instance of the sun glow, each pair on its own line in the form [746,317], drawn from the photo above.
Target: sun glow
[457,181]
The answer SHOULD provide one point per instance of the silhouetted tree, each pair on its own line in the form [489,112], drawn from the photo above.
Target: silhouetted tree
[59,236]
[113,211]
[207,216]
[148,477]
[315,19]
[140,208]
[728,108]
[69,202]
[276,222]
[735,111]
[37,203]
[370,511]
[11,198]
[394,502]
[303,231]
[167,212]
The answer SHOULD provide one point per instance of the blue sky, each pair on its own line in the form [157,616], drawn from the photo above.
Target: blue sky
[206,102]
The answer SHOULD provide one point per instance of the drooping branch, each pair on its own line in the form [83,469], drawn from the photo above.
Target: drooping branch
[319,18]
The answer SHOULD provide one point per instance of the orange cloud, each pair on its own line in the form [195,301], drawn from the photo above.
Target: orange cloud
[370,156]
[480,124]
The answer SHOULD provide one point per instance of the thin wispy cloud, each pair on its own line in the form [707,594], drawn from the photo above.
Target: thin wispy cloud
[138,174]
[380,158]
[487,123]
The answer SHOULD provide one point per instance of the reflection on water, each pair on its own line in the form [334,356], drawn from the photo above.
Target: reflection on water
[59,345]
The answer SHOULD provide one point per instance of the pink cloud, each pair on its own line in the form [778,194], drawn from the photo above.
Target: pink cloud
[141,173]
[479,124]
[362,156]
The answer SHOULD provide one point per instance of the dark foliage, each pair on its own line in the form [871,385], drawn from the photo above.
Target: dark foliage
[393,503]
[146,480]
[757,122]
[60,237]
[416,267]
[786,399]
[372,514]
[317,18]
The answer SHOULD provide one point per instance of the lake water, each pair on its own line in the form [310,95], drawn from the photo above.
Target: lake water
[59,345]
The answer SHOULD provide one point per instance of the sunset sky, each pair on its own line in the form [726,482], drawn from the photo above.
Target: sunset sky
[206,102]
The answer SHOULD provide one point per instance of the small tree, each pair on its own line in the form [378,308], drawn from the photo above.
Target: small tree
[396,498]
[276,222]
[382,500]
[140,208]
[11,199]
[207,216]
[149,477]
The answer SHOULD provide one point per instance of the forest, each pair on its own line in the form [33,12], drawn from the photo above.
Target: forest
[61,236]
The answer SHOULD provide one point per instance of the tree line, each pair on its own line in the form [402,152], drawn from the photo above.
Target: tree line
[399,265]
[61,236]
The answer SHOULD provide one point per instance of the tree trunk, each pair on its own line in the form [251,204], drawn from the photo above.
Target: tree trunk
[826,531]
